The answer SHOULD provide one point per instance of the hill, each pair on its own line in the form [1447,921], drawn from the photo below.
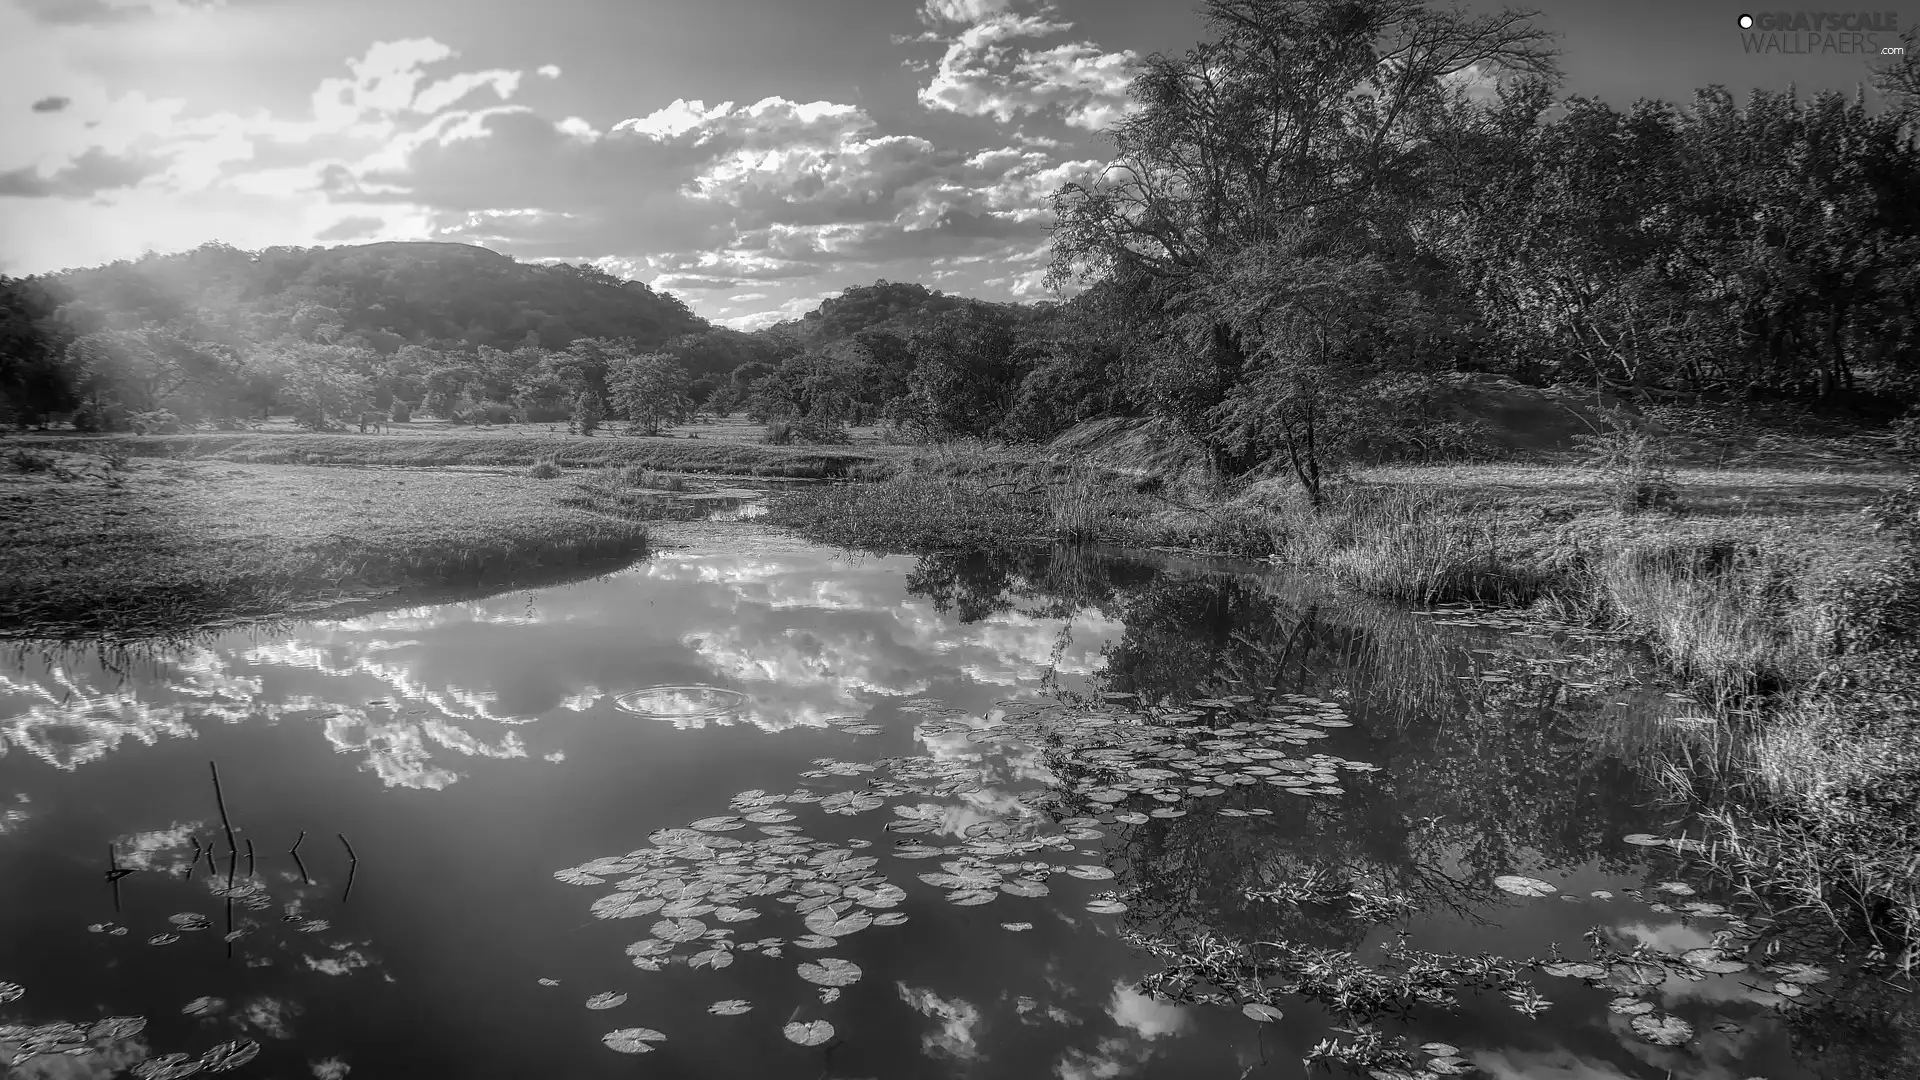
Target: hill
[900,307]
[448,296]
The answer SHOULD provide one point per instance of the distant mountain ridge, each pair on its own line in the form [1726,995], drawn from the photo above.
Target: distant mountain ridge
[900,307]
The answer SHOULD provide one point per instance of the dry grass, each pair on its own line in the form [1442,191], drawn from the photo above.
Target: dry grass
[164,546]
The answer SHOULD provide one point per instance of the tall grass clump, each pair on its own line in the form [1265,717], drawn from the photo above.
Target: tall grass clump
[641,476]
[544,469]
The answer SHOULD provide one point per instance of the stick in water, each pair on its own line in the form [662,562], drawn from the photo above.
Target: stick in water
[350,854]
[222,800]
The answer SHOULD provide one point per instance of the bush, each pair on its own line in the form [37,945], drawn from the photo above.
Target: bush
[779,432]
[588,411]
[401,413]
[155,422]
[544,470]
[1636,463]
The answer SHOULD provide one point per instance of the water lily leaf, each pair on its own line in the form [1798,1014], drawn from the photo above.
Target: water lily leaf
[827,923]
[229,1055]
[1106,907]
[719,824]
[730,1007]
[1132,817]
[890,918]
[849,803]
[1023,887]
[1266,1014]
[649,947]
[1090,872]
[11,992]
[606,1000]
[1601,894]
[1788,990]
[1166,812]
[167,1067]
[1016,926]
[1440,1049]
[1674,888]
[1575,970]
[575,876]
[203,1006]
[549,982]
[711,958]
[830,971]
[829,995]
[116,1028]
[625,905]
[1630,1006]
[1521,885]
[632,1040]
[970,897]
[1662,1029]
[678,929]
[729,913]
[1641,839]
[816,941]
[813,1033]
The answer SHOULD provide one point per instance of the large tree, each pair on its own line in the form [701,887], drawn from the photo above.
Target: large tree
[1295,141]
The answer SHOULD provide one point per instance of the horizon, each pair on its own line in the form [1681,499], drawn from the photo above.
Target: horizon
[750,159]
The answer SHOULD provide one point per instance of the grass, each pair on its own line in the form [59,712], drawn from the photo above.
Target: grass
[499,450]
[162,547]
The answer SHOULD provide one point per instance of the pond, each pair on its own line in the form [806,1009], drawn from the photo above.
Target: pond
[801,813]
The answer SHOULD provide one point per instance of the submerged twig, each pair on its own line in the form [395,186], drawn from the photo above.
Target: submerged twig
[220,798]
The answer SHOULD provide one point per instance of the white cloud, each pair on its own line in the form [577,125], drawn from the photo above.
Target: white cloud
[1148,1016]
[982,74]
[958,1017]
[548,71]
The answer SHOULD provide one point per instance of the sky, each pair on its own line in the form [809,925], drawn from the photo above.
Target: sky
[750,156]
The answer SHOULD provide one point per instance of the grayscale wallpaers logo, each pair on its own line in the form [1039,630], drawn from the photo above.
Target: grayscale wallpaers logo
[1804,32]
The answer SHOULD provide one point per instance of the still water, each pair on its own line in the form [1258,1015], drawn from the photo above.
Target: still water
[804,814]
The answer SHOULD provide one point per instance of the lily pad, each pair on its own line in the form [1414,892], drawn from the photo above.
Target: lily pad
[1266,1014]
[1106,907]
[1090,872]
[634,1040]
[606,1000]
[229,1055]
[711,958]
[1521,885]
[830,971]
[730,1007]
[813,1033]
[11,992]
[678,929]
[1575,970]
[203,1006]
[1016,926]
[167,1067]
[1662,1029]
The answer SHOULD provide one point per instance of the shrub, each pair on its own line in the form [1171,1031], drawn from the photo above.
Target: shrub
[779,432]
[402,413]
[154,422]
[544,470]
[1636,463]
[821,432]
[588,411]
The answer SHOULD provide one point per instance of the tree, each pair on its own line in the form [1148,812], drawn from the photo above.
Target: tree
[967,368]
[319,383]
[1301,132]
[652,390]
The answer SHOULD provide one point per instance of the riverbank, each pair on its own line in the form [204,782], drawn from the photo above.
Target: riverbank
[107,546]
[1770,593]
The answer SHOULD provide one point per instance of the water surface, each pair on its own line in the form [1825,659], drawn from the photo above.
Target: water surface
[479,792]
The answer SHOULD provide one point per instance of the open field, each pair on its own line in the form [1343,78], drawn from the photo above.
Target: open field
[732,447]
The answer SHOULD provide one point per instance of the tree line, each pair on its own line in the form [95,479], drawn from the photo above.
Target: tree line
[1309,218]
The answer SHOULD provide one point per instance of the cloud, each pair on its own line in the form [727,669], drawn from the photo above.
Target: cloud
[1148,1016]
[93,172]
[958,1017]
[937,12]
[983,74]
[51,103]
[548,71]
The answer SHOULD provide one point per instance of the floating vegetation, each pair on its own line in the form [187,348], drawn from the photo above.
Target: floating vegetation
[730,1007]
[229,1055]
[830,971]
[203,1006]
[609,999]
[634,1040]
[1520,885]
[1262,1012]
[810,1033]
[1662,1029]
[682,702]
[1016,926]
[11,992]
